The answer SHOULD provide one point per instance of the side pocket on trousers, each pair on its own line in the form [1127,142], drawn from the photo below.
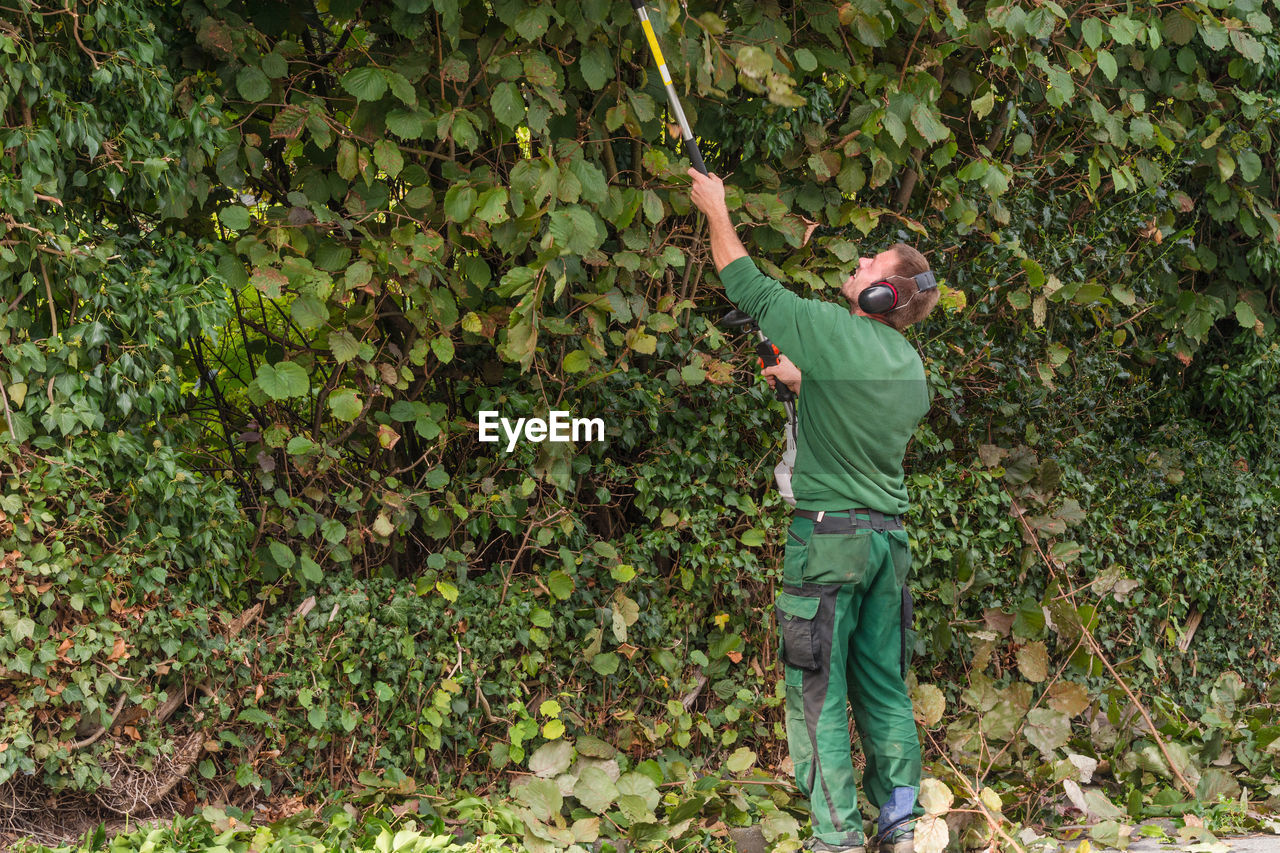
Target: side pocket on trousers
[795,622]
[795,557]
[900,546]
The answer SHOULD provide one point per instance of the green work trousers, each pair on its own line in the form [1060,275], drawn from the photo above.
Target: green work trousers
[840,615]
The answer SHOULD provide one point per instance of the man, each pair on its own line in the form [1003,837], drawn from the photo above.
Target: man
[843,607]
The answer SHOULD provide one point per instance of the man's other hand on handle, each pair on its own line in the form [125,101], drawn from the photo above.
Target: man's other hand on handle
[784,371]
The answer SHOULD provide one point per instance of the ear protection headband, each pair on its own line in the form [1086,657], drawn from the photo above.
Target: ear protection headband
[882,297]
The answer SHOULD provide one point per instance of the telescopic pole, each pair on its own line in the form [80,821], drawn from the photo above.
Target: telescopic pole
[686,133]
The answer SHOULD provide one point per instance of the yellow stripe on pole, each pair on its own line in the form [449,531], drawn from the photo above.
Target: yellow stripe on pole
[657,51]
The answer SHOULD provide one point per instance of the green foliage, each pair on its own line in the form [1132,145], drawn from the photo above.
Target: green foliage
[471,824]
[114,547]
[231,830]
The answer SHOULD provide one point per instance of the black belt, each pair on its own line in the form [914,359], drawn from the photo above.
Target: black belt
[850,520]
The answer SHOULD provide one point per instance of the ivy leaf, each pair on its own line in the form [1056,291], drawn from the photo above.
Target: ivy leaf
[532,22]
[935,797]
[309,312]
[409,124]
[365,83]
[605,664]
[595,790]
[897,130]
[275,66]
[927,123]
[310,569]
[596,65]
[282,554]
[344,346]
[252,84]
[234,217]
[443,348]
[741,761]
[1091,29]
[1033,662]
[982,106]
[345,404]
[401,88]
[491,207]
[551,759]
[388,157]
[283,381]
[929,703]
[1250,165]
[1178,26]
[1061,86]
[1248,46]
[288,123]
[1107,64]
[1047,730]
[459,201]
[542,796]
[507,104]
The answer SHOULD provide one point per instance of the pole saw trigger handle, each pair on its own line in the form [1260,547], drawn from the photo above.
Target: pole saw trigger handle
[768,353]
[768,357]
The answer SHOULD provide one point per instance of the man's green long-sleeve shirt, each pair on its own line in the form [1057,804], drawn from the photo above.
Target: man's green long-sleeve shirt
[863,393]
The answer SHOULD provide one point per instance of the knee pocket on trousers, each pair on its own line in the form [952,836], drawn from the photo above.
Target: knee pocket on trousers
[801,646]
[798,743]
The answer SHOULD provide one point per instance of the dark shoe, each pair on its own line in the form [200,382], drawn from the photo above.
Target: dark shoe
[823,847]
[901,844]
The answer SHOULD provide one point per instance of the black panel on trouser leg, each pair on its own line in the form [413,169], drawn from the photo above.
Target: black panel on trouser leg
[816,684]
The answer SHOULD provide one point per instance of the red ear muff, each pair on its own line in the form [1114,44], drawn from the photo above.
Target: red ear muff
[879,298]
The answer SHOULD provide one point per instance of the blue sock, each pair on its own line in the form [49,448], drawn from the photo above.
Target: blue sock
[899,807]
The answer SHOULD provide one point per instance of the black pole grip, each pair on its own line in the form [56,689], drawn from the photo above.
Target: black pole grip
[768,358]
[695,156]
